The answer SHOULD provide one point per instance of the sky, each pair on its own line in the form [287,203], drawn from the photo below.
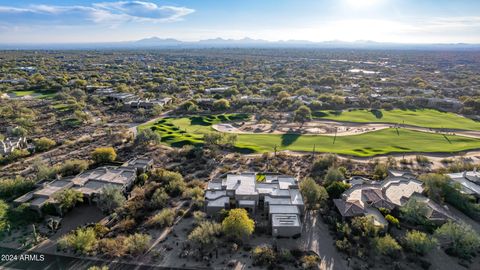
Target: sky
[399,21]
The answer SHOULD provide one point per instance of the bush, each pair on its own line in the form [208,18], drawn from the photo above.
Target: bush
[419,242]
[44,144]
[333,175]
[458,239]
[386,245]
[147,136]
[110,198]
[159,198]
[205,234]
[73,167]
[322,164]
[315,196]
[10,188]
[163,219]
[113,247]
[137,243]
[104,155]
[68,198]
[336,189]
[392,220]
[264,256]
[83,240]
[310,261]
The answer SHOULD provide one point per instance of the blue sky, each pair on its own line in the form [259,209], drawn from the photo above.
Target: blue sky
[406,21]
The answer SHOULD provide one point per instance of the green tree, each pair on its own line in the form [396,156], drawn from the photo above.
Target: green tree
[44,144]
[68,198]
[110,198]
[104,155]
[380,171]
[333,175]
[458,239]
[414,212]
[147,136]
[314,195]
[205,235]
[221,104]
[238,225]
[336,189]
[419,242]
[387,245]
[302,114]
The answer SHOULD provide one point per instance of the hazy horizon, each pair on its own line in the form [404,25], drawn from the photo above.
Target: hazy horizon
[389,21]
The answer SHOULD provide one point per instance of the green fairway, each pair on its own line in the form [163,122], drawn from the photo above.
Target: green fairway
[189,131]
[421,118]
[33,93]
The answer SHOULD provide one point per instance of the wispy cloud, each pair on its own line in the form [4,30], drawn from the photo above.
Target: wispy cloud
[104,12]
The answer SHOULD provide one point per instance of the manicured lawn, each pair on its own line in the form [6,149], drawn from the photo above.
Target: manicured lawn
[182,131]
[422,118]
[33,93]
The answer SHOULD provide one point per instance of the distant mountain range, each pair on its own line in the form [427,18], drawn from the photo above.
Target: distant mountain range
[170,43]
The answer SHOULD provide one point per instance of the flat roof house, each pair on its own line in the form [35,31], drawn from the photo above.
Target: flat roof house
[276,198]
[90,183]
[469,182]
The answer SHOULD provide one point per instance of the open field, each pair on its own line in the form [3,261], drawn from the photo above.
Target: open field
[421,118]
[183,131]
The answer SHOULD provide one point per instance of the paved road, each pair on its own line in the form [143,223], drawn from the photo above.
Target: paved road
[318,239]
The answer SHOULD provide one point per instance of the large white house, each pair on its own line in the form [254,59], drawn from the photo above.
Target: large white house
[275,198]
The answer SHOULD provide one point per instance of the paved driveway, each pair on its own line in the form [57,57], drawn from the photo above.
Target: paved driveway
[316,237]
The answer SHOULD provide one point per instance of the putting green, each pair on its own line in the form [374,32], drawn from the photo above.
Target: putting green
[421,118]
[189,131]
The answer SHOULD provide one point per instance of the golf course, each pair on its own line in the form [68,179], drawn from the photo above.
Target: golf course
[177,132]
[421,118]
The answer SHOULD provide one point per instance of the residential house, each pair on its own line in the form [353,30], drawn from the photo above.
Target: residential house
[394,192]
[267,197]
[469,182]
[90,183]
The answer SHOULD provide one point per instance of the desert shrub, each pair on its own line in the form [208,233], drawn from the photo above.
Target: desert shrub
[386,245]
[73,167]
[104,155]
[419,242]
[83,240]
[44,144]
[205,234]
[264,256]
[137,243]
[159,198]
[458,239]
[163,219]
[392,220]
[18,186]
[310,261]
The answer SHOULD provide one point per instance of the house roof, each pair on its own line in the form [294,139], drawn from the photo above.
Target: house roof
[349,209]
[285,220]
